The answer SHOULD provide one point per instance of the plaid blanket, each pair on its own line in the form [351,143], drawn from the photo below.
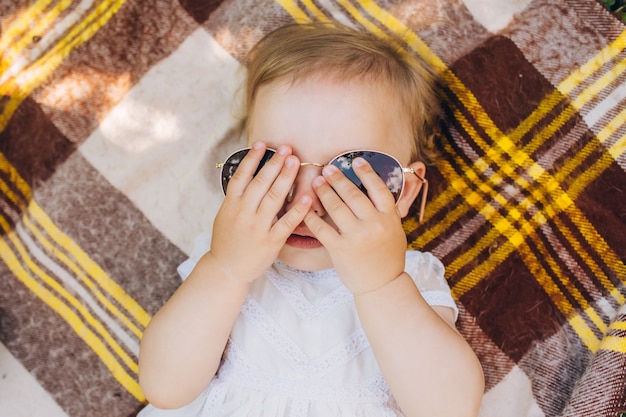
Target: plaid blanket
[114,112]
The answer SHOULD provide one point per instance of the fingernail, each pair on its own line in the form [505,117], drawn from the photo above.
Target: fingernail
[329,170]
[290,162]
[358,162]
[283,150]
[258,145]
[317,181]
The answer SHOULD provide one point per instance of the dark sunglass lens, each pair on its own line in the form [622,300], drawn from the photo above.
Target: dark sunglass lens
[384,165]
[232,163]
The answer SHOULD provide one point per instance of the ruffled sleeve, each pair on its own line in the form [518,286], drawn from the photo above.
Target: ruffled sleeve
[201,246]
[427,272]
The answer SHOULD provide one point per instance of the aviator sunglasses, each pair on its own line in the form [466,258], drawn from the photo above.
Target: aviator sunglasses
[386,166]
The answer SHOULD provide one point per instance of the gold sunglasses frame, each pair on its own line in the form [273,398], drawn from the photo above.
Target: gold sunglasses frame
[405,170]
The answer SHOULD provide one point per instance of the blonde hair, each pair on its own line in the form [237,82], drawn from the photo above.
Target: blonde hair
[297,51]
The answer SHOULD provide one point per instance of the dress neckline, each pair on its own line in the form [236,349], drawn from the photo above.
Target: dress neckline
[311,276]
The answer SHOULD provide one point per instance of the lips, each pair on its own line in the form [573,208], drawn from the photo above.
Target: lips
[303,242]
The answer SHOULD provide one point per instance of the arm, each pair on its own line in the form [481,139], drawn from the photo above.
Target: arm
[182,346]
[422,357]
[425,361]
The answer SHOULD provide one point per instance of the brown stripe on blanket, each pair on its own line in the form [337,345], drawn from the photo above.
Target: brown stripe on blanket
[604,203]
[95,76]
[33,144]
[506,86]
[200,10]
[512,308]
[496,364]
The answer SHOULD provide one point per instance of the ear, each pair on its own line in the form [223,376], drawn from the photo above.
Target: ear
[412,187]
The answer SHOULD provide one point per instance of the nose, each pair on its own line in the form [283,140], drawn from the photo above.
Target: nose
[302,187]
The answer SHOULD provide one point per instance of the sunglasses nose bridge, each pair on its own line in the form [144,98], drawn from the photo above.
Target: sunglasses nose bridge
[312,164]
[303,186]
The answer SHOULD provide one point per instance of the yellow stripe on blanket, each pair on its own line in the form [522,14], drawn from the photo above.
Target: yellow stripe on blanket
[549,190]
[614,344]
[294,10]
[78,268]
[615,340]
[319,15]
[516,239]
[84,264]
[610,341]
[79,259]
[36,70]
[30,25]
[565,87]
[606,54]
[114,335]
[80,323]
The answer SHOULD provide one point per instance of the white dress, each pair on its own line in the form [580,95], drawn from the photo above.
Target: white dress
[297,348]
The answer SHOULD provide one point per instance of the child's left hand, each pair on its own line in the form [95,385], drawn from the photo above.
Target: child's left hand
[368,245]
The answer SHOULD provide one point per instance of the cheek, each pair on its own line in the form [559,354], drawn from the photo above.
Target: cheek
[248,130]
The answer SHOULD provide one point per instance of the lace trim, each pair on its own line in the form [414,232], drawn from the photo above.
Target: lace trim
[237,372]
[305,309]
[440,298]
[309,276]
[215,398]
[273,334]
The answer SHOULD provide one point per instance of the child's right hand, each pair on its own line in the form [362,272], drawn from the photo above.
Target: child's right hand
[247,233]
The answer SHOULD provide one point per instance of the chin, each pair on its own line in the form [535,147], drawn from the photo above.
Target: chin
[313,259]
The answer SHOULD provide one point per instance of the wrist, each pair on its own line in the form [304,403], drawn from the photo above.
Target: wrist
[210,265]
[380,285]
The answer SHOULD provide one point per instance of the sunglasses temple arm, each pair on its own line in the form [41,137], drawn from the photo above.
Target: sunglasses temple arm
[423,203]
[424,195]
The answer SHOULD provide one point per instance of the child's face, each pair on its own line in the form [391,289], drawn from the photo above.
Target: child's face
[321,118]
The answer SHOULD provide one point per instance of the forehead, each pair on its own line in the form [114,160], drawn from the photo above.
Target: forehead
[322,116]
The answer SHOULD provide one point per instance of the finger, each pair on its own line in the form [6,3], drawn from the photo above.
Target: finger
[349,194]
[288,222]
[377,191]
[246,169]
[334,205]
[264,179]
[275,197]
[322,231]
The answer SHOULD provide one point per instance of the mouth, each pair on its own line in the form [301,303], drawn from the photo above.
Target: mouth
[303,242]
